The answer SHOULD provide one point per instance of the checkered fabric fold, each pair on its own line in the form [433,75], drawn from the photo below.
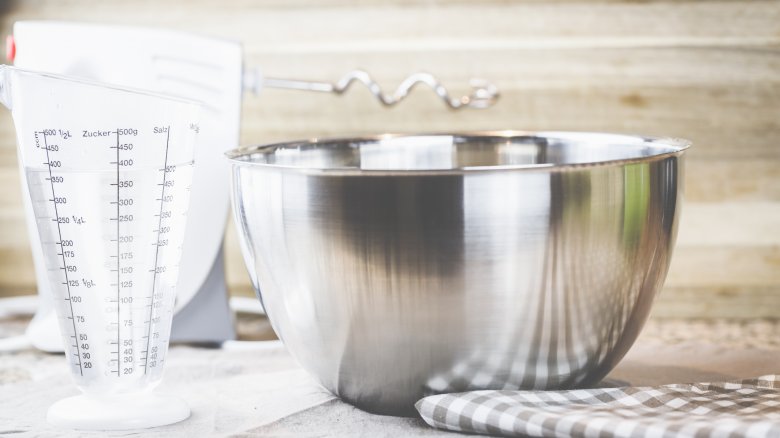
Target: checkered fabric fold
[747,408]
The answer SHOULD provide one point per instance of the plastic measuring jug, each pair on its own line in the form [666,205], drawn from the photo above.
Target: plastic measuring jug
[108,171]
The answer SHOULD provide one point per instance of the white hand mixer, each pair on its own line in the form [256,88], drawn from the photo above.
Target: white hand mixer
[174,63]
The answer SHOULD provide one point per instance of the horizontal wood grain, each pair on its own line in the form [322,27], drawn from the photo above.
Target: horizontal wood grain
[704,70]
[740,180]
[730,225]
[280,28]
[718,302]
[696,263]
[742,130]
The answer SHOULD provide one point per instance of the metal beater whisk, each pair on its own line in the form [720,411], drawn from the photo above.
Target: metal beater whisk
[483,94]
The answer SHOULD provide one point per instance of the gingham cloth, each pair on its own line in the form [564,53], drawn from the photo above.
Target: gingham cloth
[747,408]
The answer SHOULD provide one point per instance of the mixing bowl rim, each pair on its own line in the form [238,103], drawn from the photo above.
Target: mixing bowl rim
[678,146]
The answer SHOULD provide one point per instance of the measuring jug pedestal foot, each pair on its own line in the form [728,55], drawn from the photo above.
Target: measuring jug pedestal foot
[117,412]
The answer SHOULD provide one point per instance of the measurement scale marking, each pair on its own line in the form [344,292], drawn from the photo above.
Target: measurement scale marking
[59,233]
[118,287]
[157,253]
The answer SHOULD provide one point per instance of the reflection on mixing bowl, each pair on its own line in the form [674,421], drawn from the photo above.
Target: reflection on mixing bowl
[398,266]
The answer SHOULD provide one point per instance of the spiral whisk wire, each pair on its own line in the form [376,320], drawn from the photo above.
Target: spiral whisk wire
[483,93]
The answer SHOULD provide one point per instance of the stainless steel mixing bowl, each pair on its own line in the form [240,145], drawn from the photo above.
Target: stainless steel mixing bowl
[397,266]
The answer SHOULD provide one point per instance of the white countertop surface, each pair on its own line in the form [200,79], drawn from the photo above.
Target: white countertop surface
[256,388]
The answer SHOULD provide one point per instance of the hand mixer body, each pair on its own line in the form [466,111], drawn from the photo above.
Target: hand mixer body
[172,63]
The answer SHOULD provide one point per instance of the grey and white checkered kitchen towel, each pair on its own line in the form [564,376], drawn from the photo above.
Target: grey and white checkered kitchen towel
[747,408]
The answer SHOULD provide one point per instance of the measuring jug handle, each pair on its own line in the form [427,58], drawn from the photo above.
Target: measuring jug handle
[5,85]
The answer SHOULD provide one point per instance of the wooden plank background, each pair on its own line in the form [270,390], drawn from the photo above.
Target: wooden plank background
[704,70]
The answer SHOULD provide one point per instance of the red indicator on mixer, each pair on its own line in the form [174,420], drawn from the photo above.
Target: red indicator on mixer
[10,48]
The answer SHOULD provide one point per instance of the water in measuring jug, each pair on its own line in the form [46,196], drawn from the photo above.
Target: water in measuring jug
[109,172]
